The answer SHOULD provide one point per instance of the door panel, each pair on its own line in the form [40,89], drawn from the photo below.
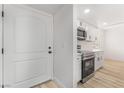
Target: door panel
[33,31]
[29,69]
[27,35]
[0,45]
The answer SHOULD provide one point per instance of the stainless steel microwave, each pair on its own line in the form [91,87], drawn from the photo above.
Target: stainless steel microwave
[81,33]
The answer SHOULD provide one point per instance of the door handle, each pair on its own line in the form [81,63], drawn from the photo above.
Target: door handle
[49,47]
[49,52]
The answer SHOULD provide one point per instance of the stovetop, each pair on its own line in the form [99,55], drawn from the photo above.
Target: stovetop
[85,53]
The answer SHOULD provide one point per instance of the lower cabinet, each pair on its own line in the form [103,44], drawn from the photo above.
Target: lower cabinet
[78,71]
[99,59]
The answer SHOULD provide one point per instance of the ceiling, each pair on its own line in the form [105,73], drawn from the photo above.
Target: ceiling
[102,15]
[49,8]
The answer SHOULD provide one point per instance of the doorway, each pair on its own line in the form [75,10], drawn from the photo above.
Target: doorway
[28,45]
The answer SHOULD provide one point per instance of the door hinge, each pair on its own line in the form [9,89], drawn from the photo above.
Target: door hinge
[2,51]
[2,86]
[2,13]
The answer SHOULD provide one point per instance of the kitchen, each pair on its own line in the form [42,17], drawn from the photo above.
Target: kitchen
[61,45]
[98,35]
[90,45]
[89,40]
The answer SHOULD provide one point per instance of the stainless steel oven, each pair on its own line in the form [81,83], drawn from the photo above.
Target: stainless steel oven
[88,59]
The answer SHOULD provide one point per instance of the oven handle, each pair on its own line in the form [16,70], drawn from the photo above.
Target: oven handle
[88,58]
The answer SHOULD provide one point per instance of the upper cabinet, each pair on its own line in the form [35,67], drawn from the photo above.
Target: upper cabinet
[94,35]
[87,14]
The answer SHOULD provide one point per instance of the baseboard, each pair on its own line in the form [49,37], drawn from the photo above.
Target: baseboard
[58,82]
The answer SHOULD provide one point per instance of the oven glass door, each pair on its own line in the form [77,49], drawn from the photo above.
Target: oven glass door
[87,67]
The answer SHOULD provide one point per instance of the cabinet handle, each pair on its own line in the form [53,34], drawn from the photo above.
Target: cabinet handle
[98,58]
[95,38]
[89,37]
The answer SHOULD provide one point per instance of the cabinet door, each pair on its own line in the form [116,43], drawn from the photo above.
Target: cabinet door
[99,59]
[78,71]
[96,61]
[0,45]
[89,34]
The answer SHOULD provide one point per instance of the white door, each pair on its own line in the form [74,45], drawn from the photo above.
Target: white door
[0,45]
[27,37]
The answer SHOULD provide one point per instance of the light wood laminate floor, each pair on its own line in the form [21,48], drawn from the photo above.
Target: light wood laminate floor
[48,84]
[111,75]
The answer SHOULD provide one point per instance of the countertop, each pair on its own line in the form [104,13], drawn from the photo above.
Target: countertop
[97,50]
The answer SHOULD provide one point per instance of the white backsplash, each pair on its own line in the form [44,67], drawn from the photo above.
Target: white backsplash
[88,45]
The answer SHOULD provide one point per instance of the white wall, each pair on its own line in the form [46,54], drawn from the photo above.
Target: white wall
[63,46]
[114,43]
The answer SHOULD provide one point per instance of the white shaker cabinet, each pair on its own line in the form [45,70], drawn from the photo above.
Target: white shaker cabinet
[78,65]
[99,59]
[78,69]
